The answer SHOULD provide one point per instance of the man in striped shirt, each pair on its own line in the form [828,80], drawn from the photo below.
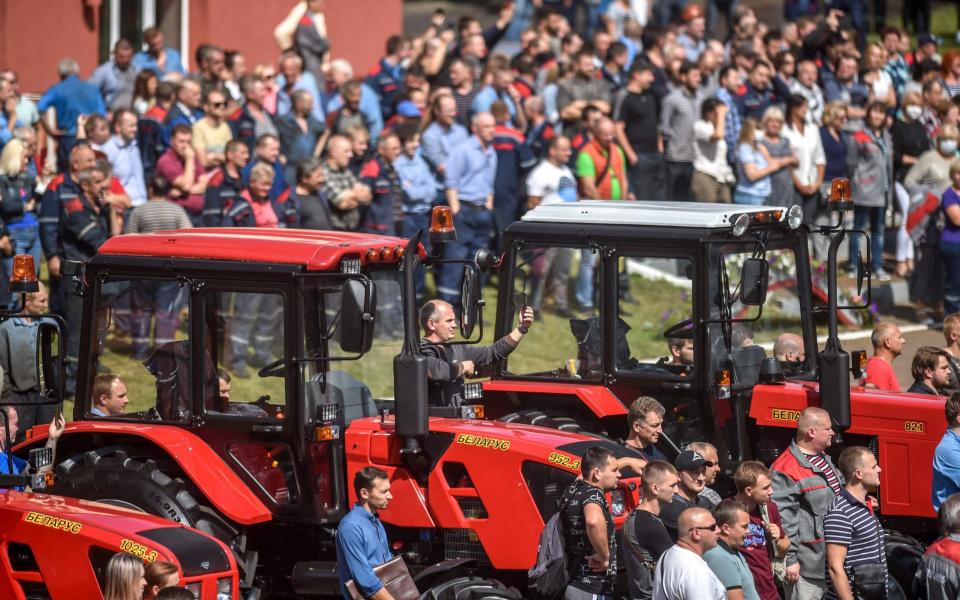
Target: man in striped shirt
[851,529]
[159,213]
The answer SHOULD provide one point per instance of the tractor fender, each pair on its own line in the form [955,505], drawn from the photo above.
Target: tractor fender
[597,398]
[205,468]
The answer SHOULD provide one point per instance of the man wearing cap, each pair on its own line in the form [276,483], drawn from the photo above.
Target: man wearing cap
[695,28]
[691,467]
[805,483]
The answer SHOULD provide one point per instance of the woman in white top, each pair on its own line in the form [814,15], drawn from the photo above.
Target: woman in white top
[876,77]
[712,175]
[807,176]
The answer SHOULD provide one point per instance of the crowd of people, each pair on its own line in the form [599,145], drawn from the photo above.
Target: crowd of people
[629,105]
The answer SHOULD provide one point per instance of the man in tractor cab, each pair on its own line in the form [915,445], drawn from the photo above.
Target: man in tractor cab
[681,351]
[790,352]
[109,396]
[447,365]
[931,371]
[805,482]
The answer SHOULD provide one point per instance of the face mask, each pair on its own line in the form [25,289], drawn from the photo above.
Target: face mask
[948,146]
[757,135]
[913,111]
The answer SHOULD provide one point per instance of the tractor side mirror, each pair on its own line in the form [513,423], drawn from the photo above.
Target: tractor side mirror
[753,281]
[487,261]
[357,310]
[50,356]
[469,301]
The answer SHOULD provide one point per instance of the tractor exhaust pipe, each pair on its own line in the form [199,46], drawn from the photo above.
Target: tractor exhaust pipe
[833,362]
[410,366]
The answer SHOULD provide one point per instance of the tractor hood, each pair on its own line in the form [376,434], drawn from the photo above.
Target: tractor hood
[488,485]
[903,429]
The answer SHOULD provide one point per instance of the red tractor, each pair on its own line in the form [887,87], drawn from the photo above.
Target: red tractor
[688,301]
[257,367]
[55,547]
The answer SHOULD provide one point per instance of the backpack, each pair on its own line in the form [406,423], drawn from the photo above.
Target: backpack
[548,578]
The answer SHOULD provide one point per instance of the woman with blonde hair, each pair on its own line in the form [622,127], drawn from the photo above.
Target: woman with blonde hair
[268,75]
[124,578]
[778,148]
[17,204]
[754,166]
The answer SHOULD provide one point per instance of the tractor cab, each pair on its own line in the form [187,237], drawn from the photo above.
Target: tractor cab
[684,302]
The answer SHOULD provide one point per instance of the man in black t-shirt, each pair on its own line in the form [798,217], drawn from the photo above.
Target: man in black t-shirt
[589,531]
[691,467]
[636,113]
[644,535]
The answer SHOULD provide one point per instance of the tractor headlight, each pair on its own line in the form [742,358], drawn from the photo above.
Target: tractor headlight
[794,216]
[740,225]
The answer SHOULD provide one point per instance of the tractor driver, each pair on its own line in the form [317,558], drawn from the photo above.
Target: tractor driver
[681,351]
[109,396]
[790,352]
[447,365]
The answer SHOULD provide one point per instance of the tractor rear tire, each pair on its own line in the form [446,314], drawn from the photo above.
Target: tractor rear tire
[554,419]
[471,588]
[110,475]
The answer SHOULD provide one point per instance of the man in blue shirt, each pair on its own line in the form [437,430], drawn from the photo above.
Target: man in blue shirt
[471,172]
[419,190]
[54,431]
[501,88]
[116,78]
[443,134]
[946,459]
[293,79]
[362,542]
[158,57]
[341,72]
[70,98]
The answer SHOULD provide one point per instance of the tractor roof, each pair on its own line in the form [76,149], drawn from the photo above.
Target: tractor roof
[315,250]
[657,214]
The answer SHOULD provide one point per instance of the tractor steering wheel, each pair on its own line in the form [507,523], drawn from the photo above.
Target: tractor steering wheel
[272,370]
[675,330]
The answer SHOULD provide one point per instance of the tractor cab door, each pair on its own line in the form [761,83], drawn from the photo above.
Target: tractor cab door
[760,326]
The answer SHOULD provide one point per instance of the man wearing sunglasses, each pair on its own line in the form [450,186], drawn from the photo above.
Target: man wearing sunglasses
[682,572]
[211,134]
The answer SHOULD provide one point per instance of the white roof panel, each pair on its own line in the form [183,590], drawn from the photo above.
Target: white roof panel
[644,212]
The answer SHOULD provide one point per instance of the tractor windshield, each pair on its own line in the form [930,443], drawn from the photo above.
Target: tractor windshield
[369,377]
[779,327]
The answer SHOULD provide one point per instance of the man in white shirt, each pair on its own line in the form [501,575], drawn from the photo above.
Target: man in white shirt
[682,573]
[552,182]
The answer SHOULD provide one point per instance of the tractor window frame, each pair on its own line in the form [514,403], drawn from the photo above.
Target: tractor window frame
[650,373]
[507,314]
[97,337]
[203,329]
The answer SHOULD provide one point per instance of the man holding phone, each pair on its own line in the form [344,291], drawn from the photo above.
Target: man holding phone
[447,365]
